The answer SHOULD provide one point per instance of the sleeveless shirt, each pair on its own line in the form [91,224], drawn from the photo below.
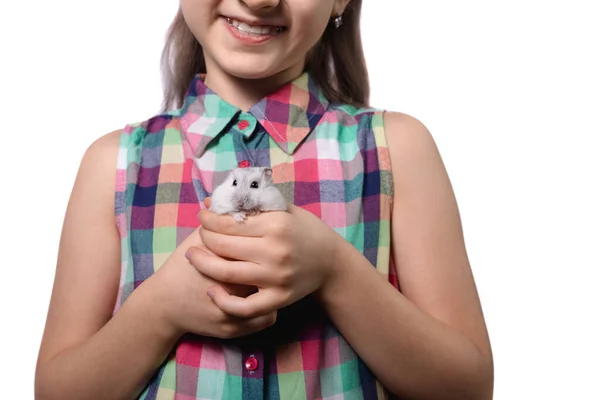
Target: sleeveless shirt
[330,159]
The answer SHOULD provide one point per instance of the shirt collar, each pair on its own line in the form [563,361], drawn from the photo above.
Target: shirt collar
[288,114]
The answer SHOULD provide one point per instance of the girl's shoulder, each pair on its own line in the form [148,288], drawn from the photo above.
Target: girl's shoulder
[103,149]
[394,129]
[402,128]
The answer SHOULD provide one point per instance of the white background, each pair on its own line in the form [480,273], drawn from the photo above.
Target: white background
[509,89]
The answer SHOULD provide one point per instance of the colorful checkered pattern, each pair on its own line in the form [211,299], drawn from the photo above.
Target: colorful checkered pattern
[329,159]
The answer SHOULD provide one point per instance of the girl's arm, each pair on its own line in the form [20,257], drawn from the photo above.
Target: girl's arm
[431,341]
[84,353]
[428,342]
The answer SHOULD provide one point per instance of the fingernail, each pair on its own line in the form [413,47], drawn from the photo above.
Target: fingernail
[210,293]
[188,254]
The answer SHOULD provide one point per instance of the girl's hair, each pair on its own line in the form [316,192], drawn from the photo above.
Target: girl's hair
[336,62]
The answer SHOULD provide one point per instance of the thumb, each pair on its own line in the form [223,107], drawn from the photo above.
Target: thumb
[207,202]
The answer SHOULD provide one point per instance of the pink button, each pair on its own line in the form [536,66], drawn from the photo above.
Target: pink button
[251,363]
[244,164]
[243,124]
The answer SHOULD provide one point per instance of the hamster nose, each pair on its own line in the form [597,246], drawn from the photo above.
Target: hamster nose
[243,201]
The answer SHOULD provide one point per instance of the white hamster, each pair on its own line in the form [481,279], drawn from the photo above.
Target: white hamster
[247,191]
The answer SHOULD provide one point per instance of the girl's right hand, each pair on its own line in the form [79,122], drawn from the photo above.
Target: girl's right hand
[178,294]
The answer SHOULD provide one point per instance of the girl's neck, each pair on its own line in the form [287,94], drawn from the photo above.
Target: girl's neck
[244,93]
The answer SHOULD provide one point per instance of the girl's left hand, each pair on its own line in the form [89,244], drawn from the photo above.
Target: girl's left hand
[286,255]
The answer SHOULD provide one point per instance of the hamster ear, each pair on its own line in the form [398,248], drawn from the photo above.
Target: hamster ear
[268,175]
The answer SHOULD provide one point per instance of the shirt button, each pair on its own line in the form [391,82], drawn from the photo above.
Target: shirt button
[244,164]
[251,363]
[243,124]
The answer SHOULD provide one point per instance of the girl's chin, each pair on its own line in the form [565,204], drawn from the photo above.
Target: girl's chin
[250,70]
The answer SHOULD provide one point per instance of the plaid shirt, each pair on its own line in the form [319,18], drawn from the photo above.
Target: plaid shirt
[330,159]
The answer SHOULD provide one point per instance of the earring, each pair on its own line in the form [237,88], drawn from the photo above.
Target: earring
[337,21]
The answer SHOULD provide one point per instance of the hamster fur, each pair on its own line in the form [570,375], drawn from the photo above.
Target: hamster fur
[247,191]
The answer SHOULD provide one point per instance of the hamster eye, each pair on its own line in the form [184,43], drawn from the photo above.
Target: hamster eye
[235,182]
[254,185]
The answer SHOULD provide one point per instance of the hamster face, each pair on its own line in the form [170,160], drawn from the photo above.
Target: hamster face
[248,185]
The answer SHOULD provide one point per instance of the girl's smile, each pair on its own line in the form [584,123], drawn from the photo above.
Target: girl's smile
[252,32]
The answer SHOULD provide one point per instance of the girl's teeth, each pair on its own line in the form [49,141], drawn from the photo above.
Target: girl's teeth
[258,29]
[253,30]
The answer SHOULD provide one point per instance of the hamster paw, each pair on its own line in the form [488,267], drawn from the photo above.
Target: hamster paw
[239,217]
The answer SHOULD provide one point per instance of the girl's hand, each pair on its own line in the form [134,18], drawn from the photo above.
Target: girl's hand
[287,255]
[178,293]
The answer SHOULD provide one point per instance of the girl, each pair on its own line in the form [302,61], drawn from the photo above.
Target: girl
[362,290]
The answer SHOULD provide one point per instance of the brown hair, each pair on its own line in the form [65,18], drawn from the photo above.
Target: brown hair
[336,62]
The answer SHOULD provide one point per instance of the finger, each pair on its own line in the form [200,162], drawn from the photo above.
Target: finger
[263,302]
[239,290]
[253,226]
[234,247]
[245,326]
[207,202]
[238,272]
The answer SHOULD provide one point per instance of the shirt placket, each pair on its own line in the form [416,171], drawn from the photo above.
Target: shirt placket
[242,130]
[253,370]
